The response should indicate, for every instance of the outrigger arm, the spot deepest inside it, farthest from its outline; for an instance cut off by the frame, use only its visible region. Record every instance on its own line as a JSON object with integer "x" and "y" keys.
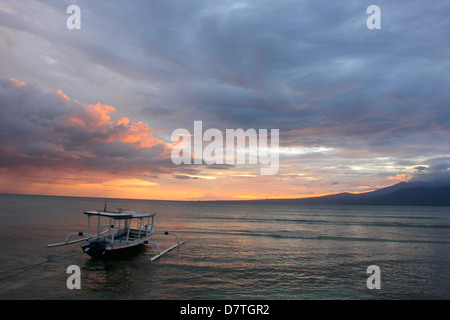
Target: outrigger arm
{"x": 168, "y": 249}
{"x": 80, "y": 234}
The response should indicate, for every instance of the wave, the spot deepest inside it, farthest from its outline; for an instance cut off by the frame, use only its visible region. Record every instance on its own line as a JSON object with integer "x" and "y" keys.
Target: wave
{"x": 335, "y": 222}
{"x": 294, "y": 235}
{"x": 308, "y": 236}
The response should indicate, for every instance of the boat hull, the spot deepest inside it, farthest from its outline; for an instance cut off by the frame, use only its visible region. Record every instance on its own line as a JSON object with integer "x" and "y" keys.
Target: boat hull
{"x": 98, "y": 250}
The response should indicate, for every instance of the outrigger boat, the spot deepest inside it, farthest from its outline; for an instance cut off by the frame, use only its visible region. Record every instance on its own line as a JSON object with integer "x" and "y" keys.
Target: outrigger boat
{"x": 126, "y": 230}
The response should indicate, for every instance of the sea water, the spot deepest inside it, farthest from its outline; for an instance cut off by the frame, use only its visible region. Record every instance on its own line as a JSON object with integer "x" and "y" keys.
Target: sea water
{"x": 233, "y": 250}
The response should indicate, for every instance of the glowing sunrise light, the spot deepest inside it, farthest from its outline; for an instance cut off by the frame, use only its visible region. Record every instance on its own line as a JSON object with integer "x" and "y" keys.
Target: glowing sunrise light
{"x": 303, "y": 150}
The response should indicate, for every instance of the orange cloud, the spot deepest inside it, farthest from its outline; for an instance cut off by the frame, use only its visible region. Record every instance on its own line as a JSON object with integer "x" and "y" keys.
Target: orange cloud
{"x": 77, "y": 121}
{"x": 124, "y": 120}
{"x": 402, "y": 177}
{"x": 100, "y": 113}
{"x": 63, "y": 96}
{"x": 17, "y": 83}
{"x": 97, "y": 117}
{"x": 138, "y": 132}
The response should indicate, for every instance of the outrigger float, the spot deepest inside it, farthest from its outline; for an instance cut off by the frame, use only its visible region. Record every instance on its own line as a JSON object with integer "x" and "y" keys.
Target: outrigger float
{"x": 125, "y": 231}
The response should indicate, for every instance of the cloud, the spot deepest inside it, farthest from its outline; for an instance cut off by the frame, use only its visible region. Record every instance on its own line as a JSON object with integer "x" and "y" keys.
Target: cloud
{"x": 46, "y": 129}
{"x": 434, "y": 171}
{"x": 421, "y": 169}
{"x": 403, "y": 177}
{"x": 256, "y": 65}
{"x": 184, "y": 177}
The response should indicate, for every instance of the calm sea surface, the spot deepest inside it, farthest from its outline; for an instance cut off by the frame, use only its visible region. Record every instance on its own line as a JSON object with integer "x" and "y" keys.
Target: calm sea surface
{"x": 232, "y": 251}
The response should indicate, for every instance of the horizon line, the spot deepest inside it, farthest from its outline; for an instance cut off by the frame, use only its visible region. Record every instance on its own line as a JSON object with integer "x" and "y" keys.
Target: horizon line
{"x": 196, "y": 200}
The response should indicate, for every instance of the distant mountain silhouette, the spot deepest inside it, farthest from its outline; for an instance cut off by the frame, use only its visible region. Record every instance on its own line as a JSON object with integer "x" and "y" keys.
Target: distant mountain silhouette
{"x": 419, "y": 196}
{"x": 404, "y": 193}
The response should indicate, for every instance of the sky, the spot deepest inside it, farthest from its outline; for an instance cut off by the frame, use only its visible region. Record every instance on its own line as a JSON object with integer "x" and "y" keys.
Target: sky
{"x": 91, "y": 111}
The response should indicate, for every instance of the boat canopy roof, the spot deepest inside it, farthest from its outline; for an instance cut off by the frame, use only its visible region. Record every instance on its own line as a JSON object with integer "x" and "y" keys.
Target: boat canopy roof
{"x": 120, "y": 215}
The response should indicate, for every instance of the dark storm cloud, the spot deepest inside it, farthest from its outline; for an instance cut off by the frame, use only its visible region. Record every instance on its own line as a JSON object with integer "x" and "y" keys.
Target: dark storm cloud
{"x": 289, "y": 65}
{"x": 42, "y": 129}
